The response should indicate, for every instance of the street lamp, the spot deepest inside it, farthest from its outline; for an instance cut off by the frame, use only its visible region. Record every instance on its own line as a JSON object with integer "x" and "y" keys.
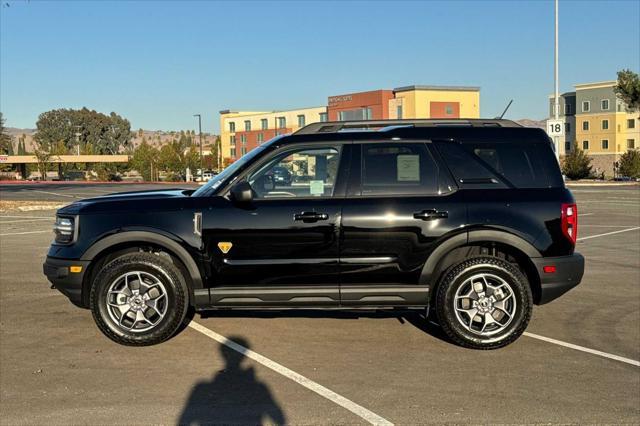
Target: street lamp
{"x": 200, "y": 136}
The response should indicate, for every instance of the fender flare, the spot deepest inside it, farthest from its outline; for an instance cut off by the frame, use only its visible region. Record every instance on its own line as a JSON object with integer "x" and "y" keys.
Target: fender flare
{"x": 431, "y": 268}
{"x": 148, "y": 237}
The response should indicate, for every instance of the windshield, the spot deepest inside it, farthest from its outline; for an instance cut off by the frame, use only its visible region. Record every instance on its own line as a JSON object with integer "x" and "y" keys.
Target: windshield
{"x": 217, "y": 180}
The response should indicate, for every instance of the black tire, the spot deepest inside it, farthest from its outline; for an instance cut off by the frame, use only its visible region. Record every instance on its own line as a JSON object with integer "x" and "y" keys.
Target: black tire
{"x": 150, "y": 265}
{"x": 460, "y": 327}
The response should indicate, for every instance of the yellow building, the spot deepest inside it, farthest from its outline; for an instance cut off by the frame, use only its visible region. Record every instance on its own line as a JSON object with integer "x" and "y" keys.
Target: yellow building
{"x": 435, "y": 102}
{"x": 605, "y": 129}
{"x": 241, "y": 131}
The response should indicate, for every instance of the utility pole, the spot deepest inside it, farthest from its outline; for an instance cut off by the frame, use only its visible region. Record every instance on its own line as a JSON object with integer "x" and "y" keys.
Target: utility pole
{"x": 556, "y": 139}
{"x": 200, "y": 136}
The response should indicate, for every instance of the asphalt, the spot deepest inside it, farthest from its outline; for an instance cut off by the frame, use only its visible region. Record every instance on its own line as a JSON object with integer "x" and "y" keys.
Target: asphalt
{"x": 56, "y": 367}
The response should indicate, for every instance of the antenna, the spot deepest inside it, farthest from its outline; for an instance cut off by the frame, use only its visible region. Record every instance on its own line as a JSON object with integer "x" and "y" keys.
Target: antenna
{"x": 505, "y": 110}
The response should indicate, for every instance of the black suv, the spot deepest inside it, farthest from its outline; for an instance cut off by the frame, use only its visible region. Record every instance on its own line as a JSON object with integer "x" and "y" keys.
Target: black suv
{"x": 468, "y": 221}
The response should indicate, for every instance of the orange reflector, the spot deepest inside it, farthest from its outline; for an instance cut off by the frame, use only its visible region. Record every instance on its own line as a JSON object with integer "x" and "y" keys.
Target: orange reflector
{"x": 550, "y": 269}
{"x": 75, "y": 269}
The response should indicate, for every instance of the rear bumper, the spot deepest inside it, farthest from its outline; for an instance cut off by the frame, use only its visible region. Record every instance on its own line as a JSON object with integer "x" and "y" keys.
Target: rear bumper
{"x": 568, "y": 274}
{"x": 67, "y": 282}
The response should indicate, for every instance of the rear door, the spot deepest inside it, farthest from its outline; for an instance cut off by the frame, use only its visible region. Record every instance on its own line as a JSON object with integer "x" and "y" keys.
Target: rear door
{"x": 400, "y": 202}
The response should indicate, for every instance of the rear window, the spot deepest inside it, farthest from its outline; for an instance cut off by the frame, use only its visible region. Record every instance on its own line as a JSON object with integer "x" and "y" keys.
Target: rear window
{"x": 521, "y": 164}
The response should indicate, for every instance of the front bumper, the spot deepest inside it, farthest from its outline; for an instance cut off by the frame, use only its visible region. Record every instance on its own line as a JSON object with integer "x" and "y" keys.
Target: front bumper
{"x": 69, "y": 283}
{"x": 568, "y": 274}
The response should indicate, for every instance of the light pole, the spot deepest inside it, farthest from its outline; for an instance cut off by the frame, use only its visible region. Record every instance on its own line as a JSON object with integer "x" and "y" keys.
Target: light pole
{"x": 200, "y": 136}
{"x": 556, "y": 102}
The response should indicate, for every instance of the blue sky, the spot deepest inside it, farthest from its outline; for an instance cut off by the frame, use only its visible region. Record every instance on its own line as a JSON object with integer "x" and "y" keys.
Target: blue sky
{"x": 159, "y": 62}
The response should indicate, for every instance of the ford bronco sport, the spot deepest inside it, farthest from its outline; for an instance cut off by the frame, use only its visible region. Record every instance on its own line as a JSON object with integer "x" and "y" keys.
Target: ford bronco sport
{"x": 467, "y": 219}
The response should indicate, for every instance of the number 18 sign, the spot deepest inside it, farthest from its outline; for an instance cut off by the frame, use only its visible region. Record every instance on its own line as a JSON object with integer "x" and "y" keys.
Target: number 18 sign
{"x": 555, "y": 127}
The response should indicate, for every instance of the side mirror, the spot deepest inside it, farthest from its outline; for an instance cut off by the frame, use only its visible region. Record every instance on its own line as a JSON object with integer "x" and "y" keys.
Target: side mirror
{"x": 241, "y": 193}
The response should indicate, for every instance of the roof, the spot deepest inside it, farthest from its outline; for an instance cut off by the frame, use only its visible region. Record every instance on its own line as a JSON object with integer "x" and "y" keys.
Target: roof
{"x": 443, "y": 88}
{"x": 595, "y": 85}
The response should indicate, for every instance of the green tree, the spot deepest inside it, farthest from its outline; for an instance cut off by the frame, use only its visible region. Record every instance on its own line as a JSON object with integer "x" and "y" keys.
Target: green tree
{"x": 629, "y": 164}
{"x": 145, "y": 160}
{"x": 628, "y": 89}
{"x": 576, "y": 165}
{"x": 6, "y": 140}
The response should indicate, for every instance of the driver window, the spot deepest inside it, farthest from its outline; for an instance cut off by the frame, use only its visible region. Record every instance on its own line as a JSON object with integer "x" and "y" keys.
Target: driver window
{"x": 307, "y": 172}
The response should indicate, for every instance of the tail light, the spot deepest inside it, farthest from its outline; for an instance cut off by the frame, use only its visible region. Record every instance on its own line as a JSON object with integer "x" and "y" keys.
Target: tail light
{"x": 570, "y": 221}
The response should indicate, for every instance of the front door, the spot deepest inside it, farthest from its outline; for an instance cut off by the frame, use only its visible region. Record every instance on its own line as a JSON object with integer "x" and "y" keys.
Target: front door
{"x": 282, "y": 248}
{"x": 400, "y": 202}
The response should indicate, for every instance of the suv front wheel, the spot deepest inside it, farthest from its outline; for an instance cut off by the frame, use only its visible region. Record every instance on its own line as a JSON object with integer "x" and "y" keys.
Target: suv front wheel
{"x": 484, "y": 303}
{"x": 139, "y": 299}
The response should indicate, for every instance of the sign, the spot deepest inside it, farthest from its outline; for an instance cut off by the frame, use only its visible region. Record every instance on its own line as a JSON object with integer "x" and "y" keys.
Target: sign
{"x": 408, "y": 167}
{"x": 4, "y": 158}
{"x": 335, "y": 100}
{"x": 555, "y": 128}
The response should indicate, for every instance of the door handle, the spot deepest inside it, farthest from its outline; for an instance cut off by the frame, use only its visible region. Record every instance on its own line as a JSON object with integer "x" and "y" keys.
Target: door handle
{"x": 430, "y": 215}
{"x": 310, "y": 216}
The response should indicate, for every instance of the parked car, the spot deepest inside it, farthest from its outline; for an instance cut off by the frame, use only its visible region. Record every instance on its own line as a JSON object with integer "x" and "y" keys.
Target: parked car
{"x": 466, "y": 221}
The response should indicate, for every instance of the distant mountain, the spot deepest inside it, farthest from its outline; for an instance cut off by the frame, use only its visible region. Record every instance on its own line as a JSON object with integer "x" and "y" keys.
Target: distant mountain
{"x": 156, "y": 138}
{"x": 526, "y": 122}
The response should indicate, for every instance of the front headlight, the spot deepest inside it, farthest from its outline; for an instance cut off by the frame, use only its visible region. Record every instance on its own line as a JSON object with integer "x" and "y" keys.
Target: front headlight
{"x": 64, "y": 229}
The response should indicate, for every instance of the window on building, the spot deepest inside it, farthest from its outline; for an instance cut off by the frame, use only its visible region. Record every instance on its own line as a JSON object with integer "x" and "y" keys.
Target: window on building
{"x": 586, "y": 106}
{"x": 301, "y": 120}
{"x": 399, "y": 112}
{"x": 567, "y": 127}
{"x": 631, "y": 143}
{"x": 282, "y": 122}
{"x": 324, "y": 117}
{"x": 264, "y": 124}
{"x": 243, "y": 150}
{"x": 260, "y": 137}
{"x": 605, "y": 124}
{"x": 585, "y": 145}
{"x": 243, "y": 139}
{"x": 232, "y": 127}
{"x": 567, "y": 108}
{"x": 232, "y": 153}
{"x": 631, "y": 123}
{"x": 448, "y": 110}
{"x": 567, "y": 146}
{"x": 604, "y": 104}
{"x": 355, "y": 114}
{"x": 247, "y": 125}
{"x": 605, "y": 143}
{"x": 232, "y": 140}
{"x": 585, "y": 125}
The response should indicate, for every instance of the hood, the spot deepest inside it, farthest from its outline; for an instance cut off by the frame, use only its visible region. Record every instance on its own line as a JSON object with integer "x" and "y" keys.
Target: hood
{"x": 134, "y": 200}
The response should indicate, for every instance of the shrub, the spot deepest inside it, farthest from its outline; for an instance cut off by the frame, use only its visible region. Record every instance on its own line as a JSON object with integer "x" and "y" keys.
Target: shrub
{"x": 629, "y": 164}
{"x": 576, "y": 165}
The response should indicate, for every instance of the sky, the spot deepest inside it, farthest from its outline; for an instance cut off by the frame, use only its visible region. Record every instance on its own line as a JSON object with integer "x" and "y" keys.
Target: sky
{"x": 159, "y": 62}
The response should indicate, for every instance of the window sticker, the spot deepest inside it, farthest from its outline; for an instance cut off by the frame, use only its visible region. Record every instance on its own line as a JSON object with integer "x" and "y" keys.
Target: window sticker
{"x": 316, "y": 187}
{"x": 408, "y": 167}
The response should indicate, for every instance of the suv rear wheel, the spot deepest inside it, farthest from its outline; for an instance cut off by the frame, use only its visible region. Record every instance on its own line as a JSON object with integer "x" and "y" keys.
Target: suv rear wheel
{"x": 484, "y": 303}
{"x": 139, "y": 299}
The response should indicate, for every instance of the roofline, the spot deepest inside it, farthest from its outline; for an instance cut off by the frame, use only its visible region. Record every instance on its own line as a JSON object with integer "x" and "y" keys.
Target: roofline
{"x": 442, "y": 88}
{"x": 595, "y": 85}
{"x": 563, "y": 94}
{"x": 252, "y": 113}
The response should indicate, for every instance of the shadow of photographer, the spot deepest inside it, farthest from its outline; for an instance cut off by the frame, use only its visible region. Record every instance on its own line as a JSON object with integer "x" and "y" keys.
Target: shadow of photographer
{"x": 233, "y": 396}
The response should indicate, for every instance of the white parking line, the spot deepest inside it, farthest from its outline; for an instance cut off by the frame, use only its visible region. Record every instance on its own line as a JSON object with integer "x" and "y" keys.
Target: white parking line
{"x": 585, "y": 214}
{"x": 28, "y": 232}
{"x": 608, "y": 233}
{"x": 26, "y": 217}
{"x": 583, "y": 349}
{"x": 25, "y": 220}
{"x": 53, "y": 193}
{"x": 356, "y": 409}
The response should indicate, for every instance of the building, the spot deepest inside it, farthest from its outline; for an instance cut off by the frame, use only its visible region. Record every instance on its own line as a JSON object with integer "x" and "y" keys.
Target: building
{"x": 605, "y": 128}
{"x": 241, "y": 131}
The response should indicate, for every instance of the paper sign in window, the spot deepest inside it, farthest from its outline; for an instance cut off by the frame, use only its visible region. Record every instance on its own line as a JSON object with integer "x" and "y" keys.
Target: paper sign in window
{"x": 408, "y": 167}
{"x": 316, "y": 187}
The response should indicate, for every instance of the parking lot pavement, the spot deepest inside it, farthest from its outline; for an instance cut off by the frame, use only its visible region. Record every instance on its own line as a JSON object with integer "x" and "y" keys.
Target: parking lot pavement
{"x": 57, "y": 368}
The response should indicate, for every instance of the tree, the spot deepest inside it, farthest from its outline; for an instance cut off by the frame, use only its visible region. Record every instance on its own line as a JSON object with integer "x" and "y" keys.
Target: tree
{"x": 629, "y": 164}
{"x": 628, "y": 89}
{"x": 576, "y": 165}
{"x": 144, "y": 160}
{"x": 6, "y": 140}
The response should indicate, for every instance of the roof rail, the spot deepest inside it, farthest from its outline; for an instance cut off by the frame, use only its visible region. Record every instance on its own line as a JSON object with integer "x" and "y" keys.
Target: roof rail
{"x": 387, "y": 125}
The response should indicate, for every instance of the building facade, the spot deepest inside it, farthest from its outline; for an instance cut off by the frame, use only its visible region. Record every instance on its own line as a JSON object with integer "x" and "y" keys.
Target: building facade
{"x": 605, "y": 129}
{"x": 242, "y": 131}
